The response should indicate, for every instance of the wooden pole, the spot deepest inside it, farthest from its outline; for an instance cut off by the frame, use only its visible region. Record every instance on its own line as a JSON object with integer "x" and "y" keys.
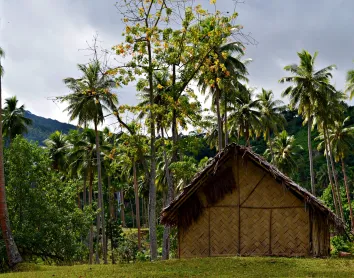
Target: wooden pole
{"x": 270, "y": 232}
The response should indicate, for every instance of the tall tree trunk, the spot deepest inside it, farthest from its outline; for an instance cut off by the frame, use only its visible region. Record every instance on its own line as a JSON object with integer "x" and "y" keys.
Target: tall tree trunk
{"x": 122, "y": 214}
{"x": 170, "y": 193}
{"x": 334, "y": 192}
{"x": 13, "y": 255}
{"x": 174, "y": 120}
{"x": 348, "y": 195}
{"x": 91, "y": 227}
{"x": 152, "y": 188}
{"x": 217, "y": 100}
{"x": 110, "y": 199}
{"x": 132, "y": 211}
{"x": 270, "y": 144}
{"x": 78, "y": 197}
{"x": 84, "y": 195}
{"x": 142, "y": 211}
{"x": 98, "y": 229}
{"x": 112, "y": 243}
{"x": 226, "y": 127}
{"x": 100, "y": 194}
{"x": 248, "y": 142}
{"x": 110, "y": 214}
{"x": 335, "y": 177}
{"x": 309, "y": 144}
{"x": 137, "y": 205}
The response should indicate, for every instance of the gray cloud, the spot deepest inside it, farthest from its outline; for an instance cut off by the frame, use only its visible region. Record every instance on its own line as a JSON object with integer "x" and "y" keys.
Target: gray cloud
{"x": 43, "y": 39}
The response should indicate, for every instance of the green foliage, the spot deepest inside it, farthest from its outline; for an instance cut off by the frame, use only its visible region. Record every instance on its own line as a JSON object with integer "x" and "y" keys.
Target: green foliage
{"x": 283, "y": 152}
{"x": 127, "y": 251}
{"x": 143, "y": 256}
{"x": 341, "y": 243}
{"x": 14, "y": 120}
{"x": 44, "y": 217}
{"x": 42, "y": 128}
{"x": 115, "y": 232}
{"x": 350, "y": 83}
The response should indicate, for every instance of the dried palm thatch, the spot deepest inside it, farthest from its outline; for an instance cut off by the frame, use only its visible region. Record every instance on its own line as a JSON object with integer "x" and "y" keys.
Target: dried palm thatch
{"x": 215, "y": 181}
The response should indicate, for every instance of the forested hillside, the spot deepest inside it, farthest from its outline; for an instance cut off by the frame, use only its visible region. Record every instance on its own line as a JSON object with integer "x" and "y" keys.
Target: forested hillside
{"x": 42, "y": 127}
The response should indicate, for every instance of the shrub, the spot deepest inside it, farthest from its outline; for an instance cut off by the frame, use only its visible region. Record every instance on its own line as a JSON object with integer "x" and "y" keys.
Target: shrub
{"x": 341, "y": 243}
{"x": 127, "y": 251}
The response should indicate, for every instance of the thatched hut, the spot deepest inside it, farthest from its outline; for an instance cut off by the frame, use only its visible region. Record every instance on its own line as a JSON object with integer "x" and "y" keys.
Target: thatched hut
{"x": 242, "y": 205}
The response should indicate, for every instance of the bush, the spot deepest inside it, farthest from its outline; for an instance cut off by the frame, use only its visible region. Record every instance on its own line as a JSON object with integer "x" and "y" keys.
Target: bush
{"x": 341, "y": 243}
{"x": 143, "y": 256}
{"x": 127, "y": 251}
{"x": 173, "y": 241}
{"x": 45, "y": 220}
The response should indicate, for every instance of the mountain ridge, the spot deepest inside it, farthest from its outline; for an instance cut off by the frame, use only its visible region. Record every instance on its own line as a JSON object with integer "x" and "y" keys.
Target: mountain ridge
{"x": 42, "y": 127}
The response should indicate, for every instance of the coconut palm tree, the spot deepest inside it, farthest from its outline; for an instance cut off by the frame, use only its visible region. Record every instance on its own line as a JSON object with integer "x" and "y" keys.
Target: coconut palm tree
{"x": 58, "y": 147}
{"x": 306, "y": 91}
{"x": 13, "y": 255}
{"x": 342, "y": 139}
{"x": 271, "y": 118}
{"x": 245, "y": 116}
{"x": 232, "y": 88}
{"x": 285, "y": 153}
{"x": 328, "y": 110}
{"x": 91, "y": 97}
{"x": 232, "y": 66}
{"x": 82, "y": 157}
{"x": 350, "y": 83}
{"x": 14, "y": 120}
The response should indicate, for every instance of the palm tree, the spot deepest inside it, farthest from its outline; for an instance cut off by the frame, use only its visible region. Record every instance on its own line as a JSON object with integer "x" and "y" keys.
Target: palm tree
{"x": 232, "y": 66}
{"x": 327, "y": 111}
{"x": 306, "y": 91}
{"x": 285, "y": 153}
{"x": 232, "y": 88}
{"x": 245, "y": 116}
{"x": 271, "y": 119}
{"x": 58, "y": 146}
{"x": 91, "y": 97}
{"x": 82, "y": 156}
{"x": 350, "y": 83}
{"x": 13, "y": 255}
{"x": 14, "y": 120}
{"x": 342, "y": 139}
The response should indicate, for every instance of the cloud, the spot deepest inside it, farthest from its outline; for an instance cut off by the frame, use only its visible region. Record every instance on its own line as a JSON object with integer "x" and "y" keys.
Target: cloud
{"x": 43, "y": 40}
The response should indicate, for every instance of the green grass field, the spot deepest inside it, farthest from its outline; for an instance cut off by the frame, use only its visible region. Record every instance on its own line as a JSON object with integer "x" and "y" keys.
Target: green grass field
{"x": 207, "y": 267}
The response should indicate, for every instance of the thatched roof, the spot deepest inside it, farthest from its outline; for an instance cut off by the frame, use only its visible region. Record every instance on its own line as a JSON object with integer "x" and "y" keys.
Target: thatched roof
{"x": 187, "y": 206}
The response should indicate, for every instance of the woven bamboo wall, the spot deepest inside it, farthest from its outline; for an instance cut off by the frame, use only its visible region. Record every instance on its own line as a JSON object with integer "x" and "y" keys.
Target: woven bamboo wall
{"x": 254, "y": 232}
{"x": 223, "y": 231}
{"x": 320, "y": 236}
{"x": 261, "y": 217}
{"x": 194, "y": 241}
{"x": 290, "y": 232}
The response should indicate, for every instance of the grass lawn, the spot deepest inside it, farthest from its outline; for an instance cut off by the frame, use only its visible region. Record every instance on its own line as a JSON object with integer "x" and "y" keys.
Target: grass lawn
{"x": 207, "y": 267}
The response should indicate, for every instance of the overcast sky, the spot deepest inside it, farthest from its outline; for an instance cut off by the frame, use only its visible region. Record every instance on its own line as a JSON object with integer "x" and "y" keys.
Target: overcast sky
{"x": 43, "y": 40}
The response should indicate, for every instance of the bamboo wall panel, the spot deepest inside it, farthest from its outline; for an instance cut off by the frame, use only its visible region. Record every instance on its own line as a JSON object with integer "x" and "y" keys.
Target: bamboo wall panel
{"x": 269, "y": 193}
{"x": 255, "y": 231}
{"x": 229, "y": 200}
{"x": 290, "y": 232}
{"x": 320, "y": 235}
{"x": 223, "y": 231}
{"x": 194, "y": 241}
{"x": 249, "y": 176}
